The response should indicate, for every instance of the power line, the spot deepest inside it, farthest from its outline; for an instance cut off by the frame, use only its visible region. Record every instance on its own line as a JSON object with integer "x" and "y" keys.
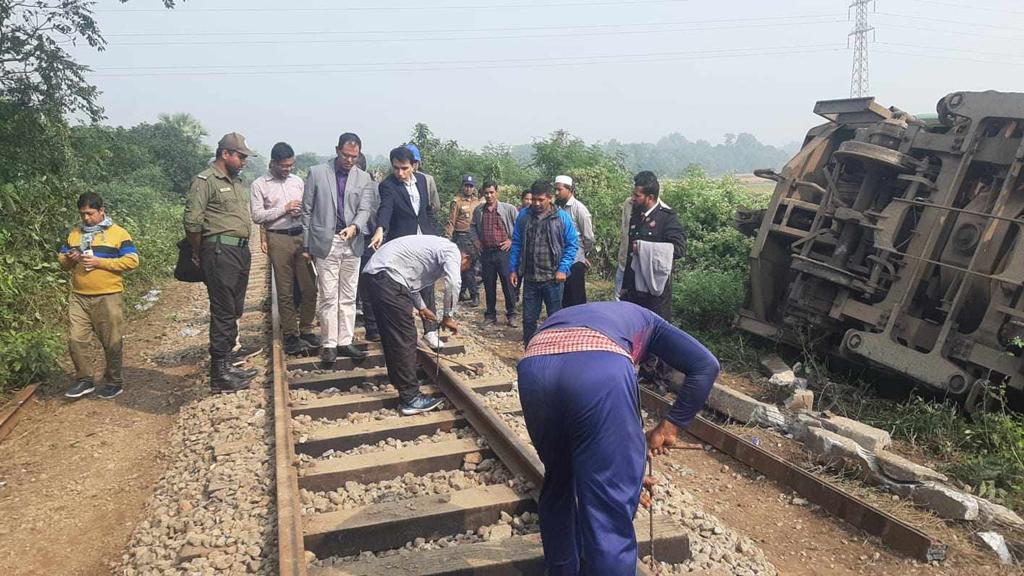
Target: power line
{"x": 859, "y": 73}
{"x": 971, "y": 7}
{"x": 947, "y": 21}
{"x": 957, "y": 32}
{"x": 391, "y": 31}
{"x": 542, "y": 62}
{"x": 947, "y": 57}
{"x": 947, "y": 49}
{"x": 434, "y": 38}
{"x": 396, "y": 8}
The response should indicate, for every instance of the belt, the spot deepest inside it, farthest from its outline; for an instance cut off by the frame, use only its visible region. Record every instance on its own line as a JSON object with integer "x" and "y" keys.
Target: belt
{"x": 226, "y": 240}
{"x": 289, "y": 231}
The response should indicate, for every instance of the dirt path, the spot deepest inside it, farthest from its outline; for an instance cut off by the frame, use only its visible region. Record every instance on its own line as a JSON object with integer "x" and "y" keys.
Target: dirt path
{"x": 75, "y": 475}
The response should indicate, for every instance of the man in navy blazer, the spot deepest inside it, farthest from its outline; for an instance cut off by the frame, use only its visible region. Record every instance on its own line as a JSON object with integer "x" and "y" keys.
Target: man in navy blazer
{"x": 405, "y": 210}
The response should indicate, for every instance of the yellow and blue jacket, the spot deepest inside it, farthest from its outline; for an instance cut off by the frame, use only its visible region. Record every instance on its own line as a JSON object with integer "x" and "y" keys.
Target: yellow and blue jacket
{"x": 117, "y": 254}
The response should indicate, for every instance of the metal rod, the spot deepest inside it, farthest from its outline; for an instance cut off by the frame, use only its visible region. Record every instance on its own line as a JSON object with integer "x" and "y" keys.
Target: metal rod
{"x": 961, "y": 210}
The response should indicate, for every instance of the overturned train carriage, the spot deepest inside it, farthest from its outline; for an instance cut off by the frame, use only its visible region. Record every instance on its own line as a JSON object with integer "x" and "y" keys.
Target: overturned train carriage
{"x": 896, "y": 240}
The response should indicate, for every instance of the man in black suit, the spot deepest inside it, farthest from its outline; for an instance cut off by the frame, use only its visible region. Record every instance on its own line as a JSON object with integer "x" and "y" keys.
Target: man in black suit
{"x": 405, "y": 210}
{"x": 654, "y": 222}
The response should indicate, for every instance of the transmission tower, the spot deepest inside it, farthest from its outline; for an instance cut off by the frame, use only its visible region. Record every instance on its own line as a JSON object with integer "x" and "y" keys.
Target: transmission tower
{"x": 859, "y": 76}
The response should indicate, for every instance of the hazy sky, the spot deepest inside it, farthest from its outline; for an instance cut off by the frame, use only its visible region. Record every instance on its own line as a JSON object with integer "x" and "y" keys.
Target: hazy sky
{"x": 512, "y": 71}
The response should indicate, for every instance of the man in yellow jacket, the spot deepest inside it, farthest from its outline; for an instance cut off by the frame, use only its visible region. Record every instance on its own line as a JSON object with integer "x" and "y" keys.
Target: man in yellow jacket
{"x": 97, "y": 252}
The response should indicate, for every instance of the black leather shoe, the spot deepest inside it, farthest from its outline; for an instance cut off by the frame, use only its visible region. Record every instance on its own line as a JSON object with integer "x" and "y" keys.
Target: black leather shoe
{"x": 372, "y": 337}
{"x": 244, "y": 373}
{"x": 293, "y": 345}
{"x": 328, "y": 356}
{"x": 222, "y": 380}
{"x": 311, "y": 339}
{"x": 351, "y": 351}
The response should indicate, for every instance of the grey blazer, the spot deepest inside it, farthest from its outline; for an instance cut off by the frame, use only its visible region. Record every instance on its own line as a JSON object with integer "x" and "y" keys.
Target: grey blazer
{"x": 320, "y": 208}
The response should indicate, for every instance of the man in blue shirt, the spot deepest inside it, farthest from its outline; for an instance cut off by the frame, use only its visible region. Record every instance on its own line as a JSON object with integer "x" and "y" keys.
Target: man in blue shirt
{"x": 544, "y": 244}
{"x": 581, "y": 402}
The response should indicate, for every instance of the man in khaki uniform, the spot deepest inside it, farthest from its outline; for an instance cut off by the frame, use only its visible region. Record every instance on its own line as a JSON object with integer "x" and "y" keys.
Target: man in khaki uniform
{"x": 217, "y": 226}
{"x": 459, "y": 222}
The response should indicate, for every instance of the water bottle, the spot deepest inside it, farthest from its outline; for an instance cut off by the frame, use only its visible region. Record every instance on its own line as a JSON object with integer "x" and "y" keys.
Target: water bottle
{"x": 87, "y": 252}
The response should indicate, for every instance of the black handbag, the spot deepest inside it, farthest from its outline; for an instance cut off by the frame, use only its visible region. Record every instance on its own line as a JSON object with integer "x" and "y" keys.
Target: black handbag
{"x": 186, "y": 270}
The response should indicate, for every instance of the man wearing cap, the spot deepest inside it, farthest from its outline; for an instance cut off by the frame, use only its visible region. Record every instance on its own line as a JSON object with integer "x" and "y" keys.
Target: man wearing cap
{"x": 276, "y": 207}
{"x": 336, "y": 206}
{"x": 432, "y": 197}
{"x": 217, "y": 225}
{"x": 459, "y": 220}
{"x": 575, "y": 291}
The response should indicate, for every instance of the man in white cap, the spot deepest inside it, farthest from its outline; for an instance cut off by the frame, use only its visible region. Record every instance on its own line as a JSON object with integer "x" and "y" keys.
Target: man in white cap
{"x": 575, "y": 291}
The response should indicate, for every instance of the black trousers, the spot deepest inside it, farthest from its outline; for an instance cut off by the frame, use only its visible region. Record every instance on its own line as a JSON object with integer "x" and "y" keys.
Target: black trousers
{"x": 575, "y": 291}
{"x": 494, "y": 264}
{"x": 227, "y": 276}
{"x": 362, "y": 291}
{"x": 393, "y": 305}
{"x": 469, "y": 276}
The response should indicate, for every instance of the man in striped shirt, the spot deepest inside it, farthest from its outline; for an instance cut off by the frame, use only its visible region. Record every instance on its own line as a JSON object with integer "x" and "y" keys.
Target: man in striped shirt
{"x": 581, "y": 402}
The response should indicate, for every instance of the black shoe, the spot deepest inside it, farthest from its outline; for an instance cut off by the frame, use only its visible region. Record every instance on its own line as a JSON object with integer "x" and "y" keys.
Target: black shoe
{"x": 419, "y": 404}
{"x": 372, "y": 337}
{"x": 474, "y": 301}
{"x": 463, "y": 297}
{"x": 490, "y": 321}
{"x": 245, "y": 373}
{"x": 351, "y": 351}
{"x": 312, "y": 340}
{"x": 510, "y": 321}
{"x": 80, "y": 388}
{"x": 328, "y": 356}
{"x": 245, "y": 351}
{"x": 293, "y": 345}
{"x": 223, "y": 380}
{"x": 110, "y": 391}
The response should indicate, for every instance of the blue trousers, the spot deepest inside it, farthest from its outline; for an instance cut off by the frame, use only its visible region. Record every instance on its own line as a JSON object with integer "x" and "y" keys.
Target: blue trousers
{"x": 582, "y": 413}
{"x": 535, "y": 294}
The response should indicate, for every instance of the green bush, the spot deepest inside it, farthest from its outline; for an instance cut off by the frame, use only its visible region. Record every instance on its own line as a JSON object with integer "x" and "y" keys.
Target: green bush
{"x": 705, "y": 298}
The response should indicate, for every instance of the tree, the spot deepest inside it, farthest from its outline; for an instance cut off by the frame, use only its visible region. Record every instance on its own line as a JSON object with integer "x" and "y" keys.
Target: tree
{"x": 186, "y": 123}
{"x": 35, "y": 69}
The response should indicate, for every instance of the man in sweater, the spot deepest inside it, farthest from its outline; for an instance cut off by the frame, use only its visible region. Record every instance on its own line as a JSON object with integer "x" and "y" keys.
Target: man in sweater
{"x": 492, "y": 228}
{"x": 581, "y": 403}
{"x": 97, "y": 252}
{"x": 544, "y": 245}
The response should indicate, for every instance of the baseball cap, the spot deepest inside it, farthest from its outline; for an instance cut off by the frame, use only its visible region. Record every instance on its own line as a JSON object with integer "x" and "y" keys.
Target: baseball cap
{"x": 467, "y": 180}
{"x": 415, "y": 152}
{"x": 236, "y": 143}
{"x": 563, "y": 180}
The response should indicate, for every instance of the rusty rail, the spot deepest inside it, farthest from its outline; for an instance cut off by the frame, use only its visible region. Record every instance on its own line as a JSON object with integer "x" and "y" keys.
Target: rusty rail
{"x": 11, "y": 413}
{"x": 892, "y": 531}
{"x": 291, "y": 550}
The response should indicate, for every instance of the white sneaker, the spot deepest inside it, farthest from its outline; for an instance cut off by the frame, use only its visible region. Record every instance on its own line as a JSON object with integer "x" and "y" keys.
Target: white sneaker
{"x": 432, "y": 340}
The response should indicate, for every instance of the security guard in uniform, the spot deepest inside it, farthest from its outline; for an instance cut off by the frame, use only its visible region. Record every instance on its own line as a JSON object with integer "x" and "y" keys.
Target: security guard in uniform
{"x": 217, "y": 225}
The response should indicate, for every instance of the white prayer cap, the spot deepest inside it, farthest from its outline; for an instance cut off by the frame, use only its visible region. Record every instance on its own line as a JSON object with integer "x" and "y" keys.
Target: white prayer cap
{"x": 563, "y": 180}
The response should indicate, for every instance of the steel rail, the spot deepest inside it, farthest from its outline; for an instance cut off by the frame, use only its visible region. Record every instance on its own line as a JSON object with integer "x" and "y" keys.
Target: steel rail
{"x": 892, "y": 531}
{"x": 291, "y": 549}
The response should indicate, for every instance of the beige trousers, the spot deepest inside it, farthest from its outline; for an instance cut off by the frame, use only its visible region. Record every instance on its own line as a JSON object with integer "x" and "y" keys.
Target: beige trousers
{"x": 102, "y": 316}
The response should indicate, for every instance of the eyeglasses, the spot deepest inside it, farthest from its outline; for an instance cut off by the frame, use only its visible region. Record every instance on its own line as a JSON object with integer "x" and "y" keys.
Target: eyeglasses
{"x": 352, "y": 157}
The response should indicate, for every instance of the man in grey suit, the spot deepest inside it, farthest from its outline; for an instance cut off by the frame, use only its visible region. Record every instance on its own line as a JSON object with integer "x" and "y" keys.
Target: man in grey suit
{"x": 336, "y": 206}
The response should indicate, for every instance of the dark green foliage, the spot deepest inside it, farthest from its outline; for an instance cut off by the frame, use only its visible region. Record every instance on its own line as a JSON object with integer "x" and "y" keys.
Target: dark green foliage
{"x": 139, "y": 171}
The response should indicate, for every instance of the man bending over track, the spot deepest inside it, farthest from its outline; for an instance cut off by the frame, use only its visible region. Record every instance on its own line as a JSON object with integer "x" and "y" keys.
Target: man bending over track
{"x": 399, "y": 271}
{"x": 581, "y": 402}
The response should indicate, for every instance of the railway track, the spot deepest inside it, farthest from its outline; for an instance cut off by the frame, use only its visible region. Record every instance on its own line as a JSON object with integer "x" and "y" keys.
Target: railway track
{"x": 358, "y": 484}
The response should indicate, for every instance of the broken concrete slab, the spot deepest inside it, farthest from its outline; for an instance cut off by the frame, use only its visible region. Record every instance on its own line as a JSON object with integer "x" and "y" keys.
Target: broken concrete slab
{"x": 874, "y": 439}
{"x": 837, "y": 448}
{"x": 945, "y": 501}
{"x": 800, "y": 401}
{"x": 992, "y": 513}
{"x": 772, "y": 364}
{"x": 739, "y": 406}
{"x": 997, "y": 544}
{"x": 900, "y": 469}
